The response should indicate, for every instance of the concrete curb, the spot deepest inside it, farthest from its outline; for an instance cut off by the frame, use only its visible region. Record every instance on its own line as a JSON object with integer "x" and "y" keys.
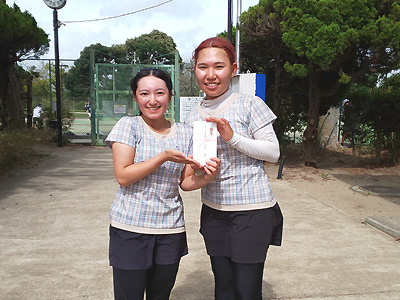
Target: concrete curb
{"x": 383, "y": 224}
{"x": 366, "y": 192}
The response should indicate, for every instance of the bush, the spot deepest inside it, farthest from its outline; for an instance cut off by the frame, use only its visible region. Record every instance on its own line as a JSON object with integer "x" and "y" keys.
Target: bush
{"x": 17, "y": 147}
{"x": 51, "y": 117}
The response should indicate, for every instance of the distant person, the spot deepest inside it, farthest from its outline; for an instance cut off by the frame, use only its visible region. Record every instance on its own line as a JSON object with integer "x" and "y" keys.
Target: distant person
{"x": 240, "y": 217}
{"x": 88, "y": 110}
{"x": 151, "y": 161}
{"x": 38, "y": 116}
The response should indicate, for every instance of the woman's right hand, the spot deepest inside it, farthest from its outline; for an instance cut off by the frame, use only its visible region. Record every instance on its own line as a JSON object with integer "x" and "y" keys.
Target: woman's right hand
{"x": 191, "y": 181}
{"x": 212, "y": 168}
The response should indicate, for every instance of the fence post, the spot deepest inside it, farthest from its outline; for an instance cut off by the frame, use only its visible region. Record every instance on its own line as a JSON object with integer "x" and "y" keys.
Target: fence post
{"x": 177, "y": 88}
{"x": 281, "y": 167}
{"x": 92, "y": 100}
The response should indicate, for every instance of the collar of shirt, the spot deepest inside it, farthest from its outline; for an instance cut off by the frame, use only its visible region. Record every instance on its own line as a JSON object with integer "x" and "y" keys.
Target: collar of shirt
{"x": 217, "y": 103}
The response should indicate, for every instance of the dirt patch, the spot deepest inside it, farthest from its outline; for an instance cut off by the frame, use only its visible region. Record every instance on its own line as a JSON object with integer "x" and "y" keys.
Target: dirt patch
{"x": 342, "y": 180}
{"x": 41, "y": 152}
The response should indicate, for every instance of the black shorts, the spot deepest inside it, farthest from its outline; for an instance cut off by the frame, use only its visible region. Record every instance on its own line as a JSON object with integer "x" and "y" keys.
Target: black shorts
{"x": 243, "y": 236}
{"x": 136, "y": 251}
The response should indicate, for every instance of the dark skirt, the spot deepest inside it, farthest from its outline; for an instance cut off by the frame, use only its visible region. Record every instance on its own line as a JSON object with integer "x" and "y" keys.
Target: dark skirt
{"x": 136, "y": 251}
{"x": 243, "y": 236}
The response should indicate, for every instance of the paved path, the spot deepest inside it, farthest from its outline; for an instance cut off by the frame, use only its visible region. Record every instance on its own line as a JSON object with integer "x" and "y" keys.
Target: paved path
{"x": 54, "y": 240}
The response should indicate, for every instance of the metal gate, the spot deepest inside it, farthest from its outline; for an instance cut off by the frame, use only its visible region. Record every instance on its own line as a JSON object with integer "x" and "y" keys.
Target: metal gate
{"x": 113, "y": 96}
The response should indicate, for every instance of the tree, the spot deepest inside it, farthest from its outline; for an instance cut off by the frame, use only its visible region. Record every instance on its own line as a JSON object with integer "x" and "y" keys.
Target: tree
{"x": 153, "y": 48}
{"x": 263, "y": 51}
{"x": 44, "y": 80}
{"x": 25, "y": 79}
{"x": 20, "y": 37}
{"x": 189, "y": 86}
{"x": 375, "y": 103}
{"x": 77, "y": 79}
{"x": 332, "y": 43}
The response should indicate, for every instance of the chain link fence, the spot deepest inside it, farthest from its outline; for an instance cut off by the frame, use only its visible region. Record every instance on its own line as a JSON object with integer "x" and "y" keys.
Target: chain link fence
{"x": 90, "y": 118}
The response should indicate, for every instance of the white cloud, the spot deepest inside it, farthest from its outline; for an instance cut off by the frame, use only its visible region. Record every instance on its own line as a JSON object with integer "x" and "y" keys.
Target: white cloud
{"x": 187, "y": 22}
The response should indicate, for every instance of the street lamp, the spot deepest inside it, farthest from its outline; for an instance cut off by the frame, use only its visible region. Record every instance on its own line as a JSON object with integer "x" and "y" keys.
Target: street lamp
{"x": 57, "y": 4}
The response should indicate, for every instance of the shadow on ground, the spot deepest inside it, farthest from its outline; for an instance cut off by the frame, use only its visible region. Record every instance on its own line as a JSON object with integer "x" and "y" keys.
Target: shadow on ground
{"x": 386, "y": 186}
{"x": 199, "y": 285}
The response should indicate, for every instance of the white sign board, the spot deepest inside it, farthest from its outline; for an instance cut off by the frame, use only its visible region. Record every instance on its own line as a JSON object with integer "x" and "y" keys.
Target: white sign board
{"x": 244, "y": 84}
{"x": 119, "y": 109}
{"x": 186, "y": 105}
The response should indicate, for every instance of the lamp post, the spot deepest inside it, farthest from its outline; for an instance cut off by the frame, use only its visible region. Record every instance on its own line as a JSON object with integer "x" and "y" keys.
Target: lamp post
{"x": 58, "y": 85}
{"x": 57, "y": 4}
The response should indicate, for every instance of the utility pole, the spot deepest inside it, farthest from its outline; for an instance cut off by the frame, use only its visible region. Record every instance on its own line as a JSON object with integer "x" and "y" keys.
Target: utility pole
{"x": 230, "y": 21}
{"x": 239, "y": 12}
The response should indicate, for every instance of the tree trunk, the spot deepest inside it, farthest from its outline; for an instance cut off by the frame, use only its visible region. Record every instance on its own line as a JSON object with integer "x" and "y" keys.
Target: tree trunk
{"x": 378, "y": 143}
{"x": 396, "y": 147}
{"x": 3, "y": 95}
{"x": 12, "y": 112}
{"x": 277, "y": 102}
{"x": 29, "y": 110}
{"x": 311, "y": 132}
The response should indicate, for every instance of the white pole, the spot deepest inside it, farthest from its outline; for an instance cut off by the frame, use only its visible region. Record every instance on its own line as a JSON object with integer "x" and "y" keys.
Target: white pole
{"x": 239, "y": 12}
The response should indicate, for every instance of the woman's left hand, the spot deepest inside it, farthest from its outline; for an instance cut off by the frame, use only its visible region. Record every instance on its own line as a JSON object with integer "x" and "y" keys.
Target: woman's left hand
{"x": 179, "y": 157}
{"x": 224, "y": 128}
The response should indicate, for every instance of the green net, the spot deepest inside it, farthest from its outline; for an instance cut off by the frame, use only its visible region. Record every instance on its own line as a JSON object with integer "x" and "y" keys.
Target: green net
{"x": 114, "y": 97}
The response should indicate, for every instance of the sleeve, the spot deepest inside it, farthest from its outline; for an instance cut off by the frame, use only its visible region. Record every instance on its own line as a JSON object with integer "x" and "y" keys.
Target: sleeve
{"x": 124, "y": 131}
{"x": 190, "y": 148}
{"x": 185, "y": 138}
{"x": 260, "y": 114}
{"x": 264, "y": 146}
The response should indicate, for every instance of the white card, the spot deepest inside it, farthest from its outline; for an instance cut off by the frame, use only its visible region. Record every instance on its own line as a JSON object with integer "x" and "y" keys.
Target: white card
{"x": 204, "y": 141}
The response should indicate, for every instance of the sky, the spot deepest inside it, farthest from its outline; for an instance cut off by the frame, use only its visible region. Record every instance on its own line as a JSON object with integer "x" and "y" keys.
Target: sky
{"x": 188, "y": 22}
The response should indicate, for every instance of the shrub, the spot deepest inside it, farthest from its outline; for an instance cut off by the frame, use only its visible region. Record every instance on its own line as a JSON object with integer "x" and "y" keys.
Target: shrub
{"x": 17, "y": 147}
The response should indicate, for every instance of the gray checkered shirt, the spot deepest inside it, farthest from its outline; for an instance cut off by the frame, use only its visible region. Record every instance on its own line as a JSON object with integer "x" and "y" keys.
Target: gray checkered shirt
{"x": 242, "y": 183}
{"x": 153, "y": 204}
